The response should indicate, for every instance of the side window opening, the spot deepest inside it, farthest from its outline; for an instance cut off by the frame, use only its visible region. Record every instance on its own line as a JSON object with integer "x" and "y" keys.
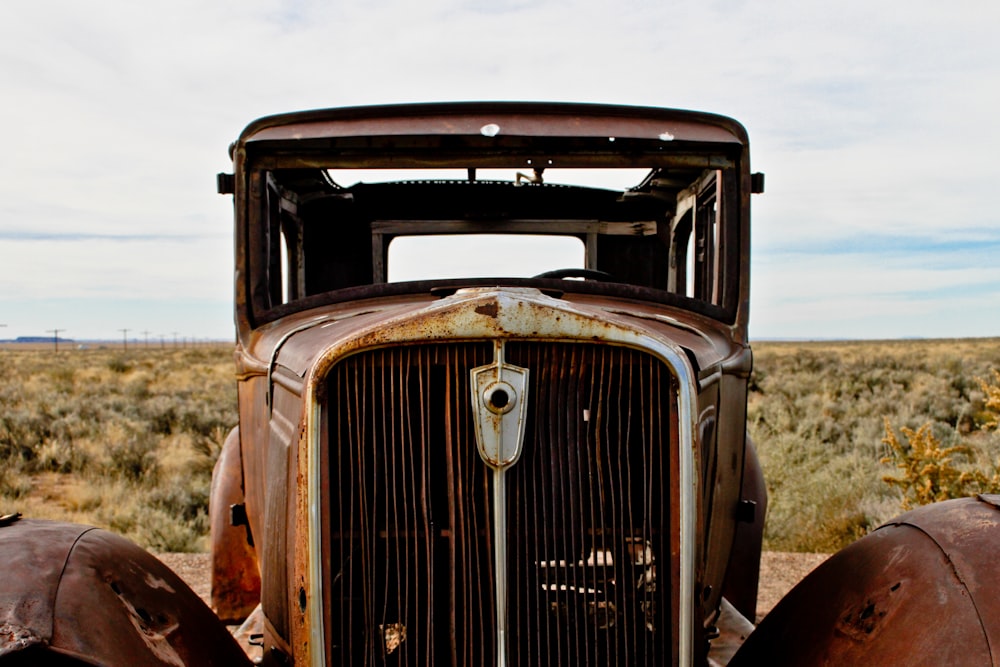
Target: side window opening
{"x": 695, "y": 241}
{"x": 292, "y": 262}
{"x": 286, "y": 260}
{"x": 706, "y": 243}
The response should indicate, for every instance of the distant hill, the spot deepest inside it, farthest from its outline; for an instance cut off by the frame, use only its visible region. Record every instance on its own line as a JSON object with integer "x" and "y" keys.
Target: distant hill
{"x": 42, "y": 339}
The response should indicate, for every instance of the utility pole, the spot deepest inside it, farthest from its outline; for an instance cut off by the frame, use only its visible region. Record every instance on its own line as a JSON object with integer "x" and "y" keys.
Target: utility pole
{"x": 55, "y": 336}
{"x": 145, "y": 335}
{"x": 175, "y": 339}
{"x": 125, "y": 338}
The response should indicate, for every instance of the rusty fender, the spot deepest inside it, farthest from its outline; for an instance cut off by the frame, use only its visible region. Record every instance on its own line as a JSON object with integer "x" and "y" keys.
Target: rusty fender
{"x": 235, "y": 574}
{"x": 73, "y": 592}
{"x": 920, "y": 590}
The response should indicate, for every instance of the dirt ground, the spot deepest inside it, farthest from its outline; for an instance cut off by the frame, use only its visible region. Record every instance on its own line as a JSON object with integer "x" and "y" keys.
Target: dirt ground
{"x": 779, "y": 572}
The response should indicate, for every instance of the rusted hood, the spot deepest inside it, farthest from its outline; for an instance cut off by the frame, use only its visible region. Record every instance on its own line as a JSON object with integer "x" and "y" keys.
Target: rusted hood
{"x": 505, "y": 312}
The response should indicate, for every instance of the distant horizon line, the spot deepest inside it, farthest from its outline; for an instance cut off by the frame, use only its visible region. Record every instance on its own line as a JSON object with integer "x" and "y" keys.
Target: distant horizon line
{"x": 114, "y": 341}
{"x": 178, "y": 340}
{"x": 845, "y": 339}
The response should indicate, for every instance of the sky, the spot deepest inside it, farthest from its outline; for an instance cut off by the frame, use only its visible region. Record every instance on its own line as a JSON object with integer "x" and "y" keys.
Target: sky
{"x": 875, "y": 123}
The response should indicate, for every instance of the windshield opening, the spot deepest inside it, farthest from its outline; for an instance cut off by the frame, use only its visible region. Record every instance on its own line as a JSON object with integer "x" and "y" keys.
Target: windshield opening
{"x": 667, "y": 228}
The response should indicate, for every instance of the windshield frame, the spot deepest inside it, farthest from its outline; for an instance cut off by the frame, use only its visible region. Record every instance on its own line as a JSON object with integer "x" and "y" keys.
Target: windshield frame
{"x": 279, "y": 143}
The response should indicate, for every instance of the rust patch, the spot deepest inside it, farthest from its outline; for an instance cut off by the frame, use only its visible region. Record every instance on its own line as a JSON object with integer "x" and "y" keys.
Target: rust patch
{"x": 154, "y": 631}
{"x": 156, "y": 582}
{"x": 491, "y": 309}
{"x": 15, "y": 638}
{"x": 393, "y": 634}
{"x": 863, "y": 621}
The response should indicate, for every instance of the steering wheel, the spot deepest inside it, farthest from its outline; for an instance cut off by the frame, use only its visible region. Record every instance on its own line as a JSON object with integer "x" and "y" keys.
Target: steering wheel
{"x": 586, "y": 274}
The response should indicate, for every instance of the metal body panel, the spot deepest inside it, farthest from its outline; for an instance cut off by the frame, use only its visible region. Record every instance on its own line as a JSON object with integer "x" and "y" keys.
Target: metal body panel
{"x": 235, "y": 574}
{"x": 493, "y": 119}
{"x": 743, "y": 571}
{"x": 296, "y": 342}
{"x": 73, "y": 591}
{"x": 920, "y": 590}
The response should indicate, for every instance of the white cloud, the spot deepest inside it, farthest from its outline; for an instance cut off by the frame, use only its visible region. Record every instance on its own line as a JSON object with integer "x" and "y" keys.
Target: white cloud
{"x": 156, "y": 268}
{"x": 867, "y": 295}
{"x": 869, "y": 120}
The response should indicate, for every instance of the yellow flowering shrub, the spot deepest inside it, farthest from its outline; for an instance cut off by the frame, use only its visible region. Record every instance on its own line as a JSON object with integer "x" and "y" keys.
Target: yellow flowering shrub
{"x": 931, "y": 472}
{"x": 991, "y": 399}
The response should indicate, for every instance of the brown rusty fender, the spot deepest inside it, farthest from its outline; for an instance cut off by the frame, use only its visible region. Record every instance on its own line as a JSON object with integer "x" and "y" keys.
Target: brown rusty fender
{"x": 235, "y": 574}
{"x": 920, "y": 590}
{"x": 73, "y": 593}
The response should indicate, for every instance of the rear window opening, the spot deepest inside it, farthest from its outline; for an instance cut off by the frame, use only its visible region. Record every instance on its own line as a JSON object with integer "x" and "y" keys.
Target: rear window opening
{"x": 447, "y": 256}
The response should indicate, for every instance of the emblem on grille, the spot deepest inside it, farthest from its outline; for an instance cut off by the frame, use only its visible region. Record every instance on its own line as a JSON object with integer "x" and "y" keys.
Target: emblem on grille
{"x": 499, "y": 407}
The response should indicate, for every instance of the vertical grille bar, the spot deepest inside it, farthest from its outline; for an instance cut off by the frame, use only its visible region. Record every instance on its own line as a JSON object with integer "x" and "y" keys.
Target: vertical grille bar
{"x": 411, "y": 574}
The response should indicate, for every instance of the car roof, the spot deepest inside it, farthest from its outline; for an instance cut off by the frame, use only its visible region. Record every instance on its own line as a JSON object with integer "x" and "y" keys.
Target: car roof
{"x": 503, "y": 119}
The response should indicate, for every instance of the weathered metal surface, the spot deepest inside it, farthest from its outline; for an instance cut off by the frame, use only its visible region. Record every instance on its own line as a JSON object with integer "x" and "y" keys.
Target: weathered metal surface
{"x": 920, "y": 590}
{"x": 302, "y": 338}
{"x": 72, "y": 591}
{"x": 32, "y": 576}
{"x": 743, "y": 570}
{"x": 235, "y": 576}
{"x": 496, "y": 121}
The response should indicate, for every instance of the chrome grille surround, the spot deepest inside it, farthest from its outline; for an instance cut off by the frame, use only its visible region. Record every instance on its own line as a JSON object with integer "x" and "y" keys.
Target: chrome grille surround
{"x": 566, "y": 325}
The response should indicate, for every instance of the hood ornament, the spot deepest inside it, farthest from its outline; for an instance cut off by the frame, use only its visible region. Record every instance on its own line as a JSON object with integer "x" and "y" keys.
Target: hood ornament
{"x": 499, "y": 407}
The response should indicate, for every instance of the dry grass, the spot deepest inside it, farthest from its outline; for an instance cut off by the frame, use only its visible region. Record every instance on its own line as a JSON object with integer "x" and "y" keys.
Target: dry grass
{"x": 128, "y": 442}
{"x": 125, "y": 442}
{"x": 817, "y": 412}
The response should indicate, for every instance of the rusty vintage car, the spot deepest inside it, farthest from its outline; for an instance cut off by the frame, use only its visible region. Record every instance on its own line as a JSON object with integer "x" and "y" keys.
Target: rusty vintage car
{"x": 493, "y": 371}
{"x": 492, "y": 363}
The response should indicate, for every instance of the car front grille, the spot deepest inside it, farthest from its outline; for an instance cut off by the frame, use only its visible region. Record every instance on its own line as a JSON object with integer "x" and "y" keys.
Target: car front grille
{"x": 411, "y": 538}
